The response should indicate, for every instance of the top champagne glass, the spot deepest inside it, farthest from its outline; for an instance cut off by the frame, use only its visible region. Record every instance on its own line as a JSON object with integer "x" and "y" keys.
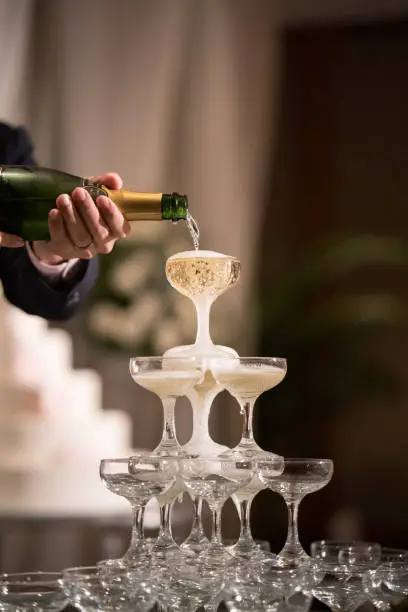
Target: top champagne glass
{"x": 202, "y": 276}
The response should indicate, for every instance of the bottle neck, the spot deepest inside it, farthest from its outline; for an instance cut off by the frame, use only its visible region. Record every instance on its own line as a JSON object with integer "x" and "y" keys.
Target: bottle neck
{"x": 137, "y": 206}
{"x": 149, "y": 206}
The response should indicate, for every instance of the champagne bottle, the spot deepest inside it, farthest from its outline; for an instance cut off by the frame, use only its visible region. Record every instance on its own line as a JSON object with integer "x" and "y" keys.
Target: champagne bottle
{"x": 27, "y": 194}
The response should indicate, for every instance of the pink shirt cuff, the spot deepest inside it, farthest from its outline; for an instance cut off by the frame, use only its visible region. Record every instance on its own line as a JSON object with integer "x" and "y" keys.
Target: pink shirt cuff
{"x": 55, "y": 272}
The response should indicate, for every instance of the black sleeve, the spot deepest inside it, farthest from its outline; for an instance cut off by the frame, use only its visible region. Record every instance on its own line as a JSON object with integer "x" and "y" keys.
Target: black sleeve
{"x": 23, "y": 284}
{"x": 16, "y": 147}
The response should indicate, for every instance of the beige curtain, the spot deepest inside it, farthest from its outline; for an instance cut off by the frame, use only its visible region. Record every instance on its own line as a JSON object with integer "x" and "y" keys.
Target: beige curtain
{"x": 15, "y": 32}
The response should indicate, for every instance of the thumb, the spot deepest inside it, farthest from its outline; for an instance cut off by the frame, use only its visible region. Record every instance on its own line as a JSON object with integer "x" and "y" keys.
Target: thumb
{"x": 10, "y": 241}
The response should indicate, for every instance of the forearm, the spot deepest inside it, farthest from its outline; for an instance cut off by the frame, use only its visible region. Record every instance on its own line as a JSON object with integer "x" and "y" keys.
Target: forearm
{"x": 53, "y": 297}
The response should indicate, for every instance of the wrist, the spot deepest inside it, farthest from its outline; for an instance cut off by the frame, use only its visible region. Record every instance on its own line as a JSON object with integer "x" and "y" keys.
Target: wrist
{"x": 42, "y": 253}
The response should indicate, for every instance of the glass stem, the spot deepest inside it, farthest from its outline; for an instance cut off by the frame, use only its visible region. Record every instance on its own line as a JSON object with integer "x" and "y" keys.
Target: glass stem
{"x": 197, "y": 508}
{"x": 216, "y": 533}
{"x": 203, "y": 307}
{"x": 169, "y": 426}
{"x": 292, "y": 544}
{"x": 137, "y": 526}
{"x": 247, "y": 410}
{"x": 165, "y": 525}
{"x": 245, "y": 513}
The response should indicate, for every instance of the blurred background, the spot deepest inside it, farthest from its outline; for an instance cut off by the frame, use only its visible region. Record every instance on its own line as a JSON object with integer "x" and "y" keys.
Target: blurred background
{"x": 286, "y": 124}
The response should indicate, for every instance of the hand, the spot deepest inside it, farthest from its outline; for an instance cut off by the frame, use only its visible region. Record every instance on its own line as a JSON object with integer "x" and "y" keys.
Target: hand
{"x": 10, "y": 241}
{"x": 81, "y": 228}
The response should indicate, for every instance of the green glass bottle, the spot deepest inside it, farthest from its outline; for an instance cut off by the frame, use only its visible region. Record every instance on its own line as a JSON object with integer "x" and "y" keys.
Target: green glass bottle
{"x": 27, "y": 194}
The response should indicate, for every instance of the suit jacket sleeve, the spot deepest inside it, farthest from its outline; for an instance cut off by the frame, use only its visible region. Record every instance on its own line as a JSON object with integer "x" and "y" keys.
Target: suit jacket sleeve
{"x": 23, "y": 284}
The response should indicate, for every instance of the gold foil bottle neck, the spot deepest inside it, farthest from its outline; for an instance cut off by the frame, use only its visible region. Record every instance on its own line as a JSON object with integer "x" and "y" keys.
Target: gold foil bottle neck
{"x": 137, "y": 206}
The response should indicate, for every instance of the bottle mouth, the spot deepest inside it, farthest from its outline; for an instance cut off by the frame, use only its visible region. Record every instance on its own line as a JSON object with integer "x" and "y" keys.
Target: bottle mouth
{"x": 175, "y": 207}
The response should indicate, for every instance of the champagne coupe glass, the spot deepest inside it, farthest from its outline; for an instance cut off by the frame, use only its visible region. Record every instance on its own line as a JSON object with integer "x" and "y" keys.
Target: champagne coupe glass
{"x": 160, "y": 476}
{"x": 215, "y": 479}
{"x": 202, "y": 276}
{"x": 246, "y": 548}
{"x": 246, "y": 378}
{"x": 299, "y": 478}
{"x": 339, "y": 569}
{"x": 42, "y": 591}
{"x": 197, "y": 540}
{"x": 250, "y": 590}
{"x": 137, "y": 488}
{"x": 165, "y": 546}
{"x": 387, "y": 584}
{"x": 190, "y": 586}
{"x": 393, "y": 555}
{"x": 141, "y": 584}
{"x": 107, "y": 588}
{"x": 114, "y": 474}
{"x": 169, "y": 378}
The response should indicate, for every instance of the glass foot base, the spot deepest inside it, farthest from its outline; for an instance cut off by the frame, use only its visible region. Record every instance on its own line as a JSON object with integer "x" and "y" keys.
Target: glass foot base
{"x": 136, "y": 557}
{"x": 288, "y": 560}
{"x": 170, "y": 552}
{"x": 170, "y": 450}
{"x": 195, "y": 543}
{"x": 215, "y": 557}
{"x": 204, "y": 351}
{"x": 276, "y": 463}
{"x": 247, "y": 551}
{"x": 162, "y": 546}
{"x": 205, "y": 447}
{"x": 110, "y": 564}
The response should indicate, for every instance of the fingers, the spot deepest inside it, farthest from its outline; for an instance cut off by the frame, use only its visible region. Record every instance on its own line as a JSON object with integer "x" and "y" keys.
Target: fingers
{"x": 56, "y": 226}
{"x": 10, "y": 241}
{"x": 88, "y": 223}
{"x": 59, "y": 238}
{"x": 100, "y": 234}
{"x": 118, "y": 226}
{"x": 74, "y": 225}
